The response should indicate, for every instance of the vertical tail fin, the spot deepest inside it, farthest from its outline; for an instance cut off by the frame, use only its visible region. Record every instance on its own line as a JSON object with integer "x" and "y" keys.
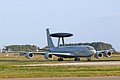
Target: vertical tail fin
{"x": 49, "y": 40}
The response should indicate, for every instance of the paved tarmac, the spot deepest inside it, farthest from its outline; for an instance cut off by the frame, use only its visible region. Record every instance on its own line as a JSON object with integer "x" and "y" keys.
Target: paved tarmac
{"x": 105, "y": 63}
{"x": 70, "y": 78}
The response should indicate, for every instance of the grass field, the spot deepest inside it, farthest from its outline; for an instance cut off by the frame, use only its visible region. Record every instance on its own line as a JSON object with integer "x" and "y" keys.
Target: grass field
{"x": 8, "y": 70}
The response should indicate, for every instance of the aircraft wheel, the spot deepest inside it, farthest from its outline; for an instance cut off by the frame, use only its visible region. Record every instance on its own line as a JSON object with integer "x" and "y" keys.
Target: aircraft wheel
{"x": 77, "y": 59}
{"x": 60, "y": 59}
{"x": 89, "y": 59}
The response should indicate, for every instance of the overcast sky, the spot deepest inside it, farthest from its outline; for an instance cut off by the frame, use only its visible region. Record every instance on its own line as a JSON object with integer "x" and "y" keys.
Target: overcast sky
{"x": 25, "y": 21}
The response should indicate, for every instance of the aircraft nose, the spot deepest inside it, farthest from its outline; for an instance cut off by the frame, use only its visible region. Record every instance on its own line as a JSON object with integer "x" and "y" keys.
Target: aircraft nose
{"x": 94, "y": 51}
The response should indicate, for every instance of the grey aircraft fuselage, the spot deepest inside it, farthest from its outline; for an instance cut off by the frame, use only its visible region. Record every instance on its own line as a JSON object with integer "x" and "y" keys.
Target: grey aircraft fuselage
{"x": 73, "y": 51}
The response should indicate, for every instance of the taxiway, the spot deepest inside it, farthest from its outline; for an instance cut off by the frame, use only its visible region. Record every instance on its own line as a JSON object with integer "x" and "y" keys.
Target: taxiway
{"x": 105, "y": 63}
{"x": 70, "y": 78}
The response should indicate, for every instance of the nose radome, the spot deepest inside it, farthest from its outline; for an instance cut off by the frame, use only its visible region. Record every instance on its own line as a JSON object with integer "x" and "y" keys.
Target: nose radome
{"x": 94, "y": 51}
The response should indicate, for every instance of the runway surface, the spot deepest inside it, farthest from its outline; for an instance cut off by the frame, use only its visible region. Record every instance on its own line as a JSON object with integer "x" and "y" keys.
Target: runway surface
{"x": 105, "y": 63}
{"x": 69, "y": 78}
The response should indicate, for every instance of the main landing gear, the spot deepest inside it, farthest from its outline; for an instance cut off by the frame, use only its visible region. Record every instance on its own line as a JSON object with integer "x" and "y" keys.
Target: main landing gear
{"x": 89, "y": 59}
{"x": 77, "y": 59}
{"x": 60, "y": 59}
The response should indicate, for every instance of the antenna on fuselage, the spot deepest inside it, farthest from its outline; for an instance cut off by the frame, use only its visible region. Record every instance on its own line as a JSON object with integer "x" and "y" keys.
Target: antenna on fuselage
{"x": 61, "y": 35}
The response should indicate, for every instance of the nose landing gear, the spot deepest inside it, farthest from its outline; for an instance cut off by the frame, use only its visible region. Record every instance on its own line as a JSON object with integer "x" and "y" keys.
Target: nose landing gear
{"x": 60, "y": 59}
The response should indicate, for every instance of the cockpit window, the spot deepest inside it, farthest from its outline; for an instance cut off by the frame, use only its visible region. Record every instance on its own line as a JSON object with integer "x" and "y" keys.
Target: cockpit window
{"x": 90, "y": 48}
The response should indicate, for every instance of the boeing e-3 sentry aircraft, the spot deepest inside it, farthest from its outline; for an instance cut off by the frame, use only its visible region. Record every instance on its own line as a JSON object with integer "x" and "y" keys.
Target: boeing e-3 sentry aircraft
{"x": 75, "y": 52}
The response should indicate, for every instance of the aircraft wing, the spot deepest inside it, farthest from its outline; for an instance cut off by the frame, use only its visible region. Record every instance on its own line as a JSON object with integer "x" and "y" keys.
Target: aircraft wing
{"x": 103, "y": 51}
{"x": 29, "y": 55}
{"x": 53, "y": 53}
{"x": 61, "y": 54}
{"x": 42, "y": 53}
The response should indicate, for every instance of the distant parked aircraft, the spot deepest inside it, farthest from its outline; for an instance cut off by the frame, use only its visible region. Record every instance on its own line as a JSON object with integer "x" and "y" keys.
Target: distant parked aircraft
{"x": 75, "y": 52}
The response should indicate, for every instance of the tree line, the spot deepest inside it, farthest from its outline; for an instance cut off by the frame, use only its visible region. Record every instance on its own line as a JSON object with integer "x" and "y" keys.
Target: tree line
{"x": 96, "y": 45}
{"x": 28, "y": 48}
{"x": 32, "y": 48}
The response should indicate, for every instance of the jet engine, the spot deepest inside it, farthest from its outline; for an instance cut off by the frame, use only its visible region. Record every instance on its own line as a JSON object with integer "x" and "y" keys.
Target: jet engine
{"x": 48, "y": 56}
{"x": 29, "y": 55}
{"x": 98, "y": 55}
{"x": 107, "y": 53}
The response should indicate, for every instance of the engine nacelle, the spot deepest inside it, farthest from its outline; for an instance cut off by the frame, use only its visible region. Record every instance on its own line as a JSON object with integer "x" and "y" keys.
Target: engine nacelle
{"x": 98, "y": 55}
{"x": 29, "y": 55}
{"x": 107, "y": 53}
{"x": 48, "y": 56}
